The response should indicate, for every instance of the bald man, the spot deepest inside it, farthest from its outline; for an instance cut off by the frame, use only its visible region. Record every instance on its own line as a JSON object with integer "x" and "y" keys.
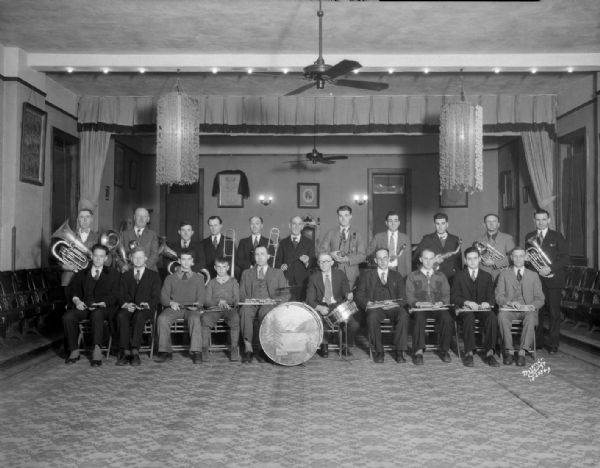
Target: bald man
{"x": 140, "y": 235}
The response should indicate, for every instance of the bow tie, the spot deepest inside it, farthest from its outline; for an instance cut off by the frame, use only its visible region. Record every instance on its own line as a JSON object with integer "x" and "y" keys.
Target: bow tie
{"x": 443, "y": 236}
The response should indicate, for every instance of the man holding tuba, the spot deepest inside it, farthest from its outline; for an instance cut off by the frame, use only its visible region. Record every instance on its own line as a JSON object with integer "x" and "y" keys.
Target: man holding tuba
{"x": 139, "y": 236}
{"x": 173, "y": 250}
{"x": 552, "y": 246}
{"x": 497, "y": 245}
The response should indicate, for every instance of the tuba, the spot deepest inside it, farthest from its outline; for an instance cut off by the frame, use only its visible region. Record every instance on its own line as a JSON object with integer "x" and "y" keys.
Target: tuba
{"x": 229, "y": 249}
{"x": 537, "y": 257}
{"x": 110, "y": 239}
{"x": 70, "y": 250}
{"x": 273, "y": 243}
{"x": 489, "y": 253}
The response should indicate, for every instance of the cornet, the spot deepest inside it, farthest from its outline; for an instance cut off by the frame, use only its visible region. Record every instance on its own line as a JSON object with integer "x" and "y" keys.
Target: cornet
{"x": 537, "y": 257}
{"x": 229, "y": 248}
{"x": 489, "y": 253}
{"x": 273, "y": 243}
{"x": 69, "y": 250}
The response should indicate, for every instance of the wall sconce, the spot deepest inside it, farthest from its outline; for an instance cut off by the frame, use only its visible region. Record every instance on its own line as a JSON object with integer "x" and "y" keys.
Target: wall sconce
{"x": 265, "y": 199}
{"x": 360, "y": 200}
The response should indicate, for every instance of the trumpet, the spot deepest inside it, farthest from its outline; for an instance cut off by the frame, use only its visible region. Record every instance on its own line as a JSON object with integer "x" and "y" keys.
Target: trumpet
{"x": 537, "y": 257}
{"x": 489, "y": 253}
{"x": 447, "y": 255}
{"x": 229, "y": 253}
{"x": 69, "y": 250}
{"x": 273, "y": 242}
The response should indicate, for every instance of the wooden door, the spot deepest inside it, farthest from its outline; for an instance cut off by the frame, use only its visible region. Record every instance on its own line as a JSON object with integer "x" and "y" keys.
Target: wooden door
{"x": 184, "y": 203}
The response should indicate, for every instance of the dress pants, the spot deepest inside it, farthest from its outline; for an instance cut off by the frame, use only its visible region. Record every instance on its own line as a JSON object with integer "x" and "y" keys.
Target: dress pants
{"x": 247, "y": 316}
{"x": 399, "y": 318}
{"x": 71, "y": 320}
{"x": 232, "y": 318}
{"x": 444, "y": 325}
{"x": 552, "y": 309}
{"x": 130, "y": 327}
{"x": 530, "y": 321}
{"x": 488, "y": 323}
{"x": 167, "y": 317}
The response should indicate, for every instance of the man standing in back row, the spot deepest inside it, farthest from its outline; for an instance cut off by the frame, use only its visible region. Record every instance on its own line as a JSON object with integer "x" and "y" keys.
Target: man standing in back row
{"x": 502, "y": 242}
{"x": 139, "y": 236}
{"x": 397, "y": 244}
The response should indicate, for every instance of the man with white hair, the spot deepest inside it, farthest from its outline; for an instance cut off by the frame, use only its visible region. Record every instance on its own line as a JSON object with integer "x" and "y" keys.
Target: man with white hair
{"x": 139, "y": 236}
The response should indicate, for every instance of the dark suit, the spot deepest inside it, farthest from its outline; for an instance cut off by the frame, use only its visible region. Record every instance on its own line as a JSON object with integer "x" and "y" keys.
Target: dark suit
{"x": 370, "y": 288}
{"x": 315, "y": 292}
{"x": 481, "y": 290}
{"x": 380, "y": 241}
{"x": 130, "y": 325}
{"x": 296, "y": 273}
{"x": 555, "y": 247}
{"x": 85, "y": 287}
{"x": 195, "y": 248}
{"x": 211, "y": 253}
{"x": 148, "y": 240}
{"x": 432, "y": 242}
{"x": 275, "y": 287}
{"x": 244, "y": 255}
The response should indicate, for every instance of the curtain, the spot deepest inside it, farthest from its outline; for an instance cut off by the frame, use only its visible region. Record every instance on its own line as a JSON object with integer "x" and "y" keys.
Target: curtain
{"x": 572, "y": 192}
{"x": 94, "y": 149}
{"x": 539, "y": 155}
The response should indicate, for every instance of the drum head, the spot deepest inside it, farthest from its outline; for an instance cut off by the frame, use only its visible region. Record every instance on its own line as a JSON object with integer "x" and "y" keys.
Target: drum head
{"x": 291, "y": 333}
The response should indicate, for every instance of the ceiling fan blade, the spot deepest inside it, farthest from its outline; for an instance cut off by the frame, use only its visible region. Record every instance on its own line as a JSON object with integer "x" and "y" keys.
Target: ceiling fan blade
{"x": 370, "y": 85}
{"x": 301, "y": 89}
{"x": 335, "y": 157}
{"x": 341, "y": 68}
{"x": 323, "y": 161}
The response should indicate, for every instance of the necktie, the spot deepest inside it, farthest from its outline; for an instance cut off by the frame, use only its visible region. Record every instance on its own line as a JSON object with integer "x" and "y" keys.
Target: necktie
{"x": 540, "y": 237}
{"x": 261, "y": 273}
{"x": 138, "y": 233}
{"x": 383, "y": 279}
{"x": 473, "y": 277}
{"x": 519, "y": 275}
{"x": 443, "y": 240}
{"x": 186, "y": 245}
{"x": 96, "y": 274}
{"x": 295, "y": 241}
{"x": 255, "y": 243}
{"x": 185, "y": 275}
{"x": 137, "y": 276}
{"x": 215, "y": 243}
{"x": 392, "y": 244}
{"x": 328, "y": 290}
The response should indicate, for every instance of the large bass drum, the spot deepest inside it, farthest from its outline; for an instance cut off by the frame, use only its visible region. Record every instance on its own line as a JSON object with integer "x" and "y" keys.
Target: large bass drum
{"x": 291, "y": 333}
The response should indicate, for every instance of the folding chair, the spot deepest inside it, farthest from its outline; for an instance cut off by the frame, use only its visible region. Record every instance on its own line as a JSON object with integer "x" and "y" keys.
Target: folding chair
{"x": 148, "y": 335}
{"x": 85, "y": 329}
{"x": 219, "y": 336}
{"x": 387, "y": 329}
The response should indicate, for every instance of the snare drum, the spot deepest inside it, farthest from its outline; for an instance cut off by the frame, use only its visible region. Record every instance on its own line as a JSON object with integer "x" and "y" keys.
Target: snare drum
{"x": 291, "y": 333}
{"x": 342, "y": 312}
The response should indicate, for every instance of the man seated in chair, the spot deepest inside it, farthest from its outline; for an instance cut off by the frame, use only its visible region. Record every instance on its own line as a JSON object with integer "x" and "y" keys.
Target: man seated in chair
{"x": 427, "y": 288}
{"x": 473, "y": 289}
{"x": 520, "y": 289}
{"x": 325, "y": 291}
{"x": 260, "y": 283}
{"x": 140, "y": 294}
{"x": 182, "y": 295}
{"x": 95, "y": 294}
{"x": 222, "y": 292}
{"x": 382, "y": 295}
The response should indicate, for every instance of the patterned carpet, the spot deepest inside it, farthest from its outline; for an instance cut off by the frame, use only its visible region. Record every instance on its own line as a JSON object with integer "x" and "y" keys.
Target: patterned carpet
{"x": 325, "y": 413}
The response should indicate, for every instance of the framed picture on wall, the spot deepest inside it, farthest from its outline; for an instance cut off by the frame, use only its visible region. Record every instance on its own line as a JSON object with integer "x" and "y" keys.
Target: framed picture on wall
{"x": 506, "y": 189}
{"x": 454, "y": 199}
{"x": 308, "y": 195}
{"x": 119, "y": 165}
{"x": 33, "y": 144}
{"x": 133, "y": 174}
{"x": 229, "y": 196}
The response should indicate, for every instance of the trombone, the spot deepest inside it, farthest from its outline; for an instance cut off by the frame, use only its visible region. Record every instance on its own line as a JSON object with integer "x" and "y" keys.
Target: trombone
{"x": 273, "y": 242}
{"x": 537, "y": 257}
{"x": 229, "y": 253}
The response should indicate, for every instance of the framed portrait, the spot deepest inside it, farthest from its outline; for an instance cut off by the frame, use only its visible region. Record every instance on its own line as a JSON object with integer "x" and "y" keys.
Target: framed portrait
{"x": 308, "y": 195}
{"x": 133, "y": 174}
{"x": 506, "y": 189}
{"x": 119, "y": 165}
{"x": 33, "y": 145}
{"x": 454, "y": 199}
{"x": 229, "y": 196}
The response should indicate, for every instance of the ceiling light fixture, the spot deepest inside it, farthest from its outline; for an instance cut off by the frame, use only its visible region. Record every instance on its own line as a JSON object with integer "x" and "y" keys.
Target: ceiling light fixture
{"x": 285, "y": 71}
{"x": 355, "y": 71}
{"x": 70, "y": 69}
{"x": 570, "y": 70}
{"x": 390, "y": 71}
{"x": 105, "y": 71}
{"x": 142, "y": 70}
{"x": 250, "y": 71}
{"x": 214, "y": 70}
{"x": 533, "y": 71}
{"x": 426, "y": 70}
{"x": 496, "y": 70}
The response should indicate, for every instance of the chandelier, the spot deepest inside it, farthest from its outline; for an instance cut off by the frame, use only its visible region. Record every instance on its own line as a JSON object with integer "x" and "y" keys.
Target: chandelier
{"x": 177, "y": 138}
{"x": 461, "y": 145}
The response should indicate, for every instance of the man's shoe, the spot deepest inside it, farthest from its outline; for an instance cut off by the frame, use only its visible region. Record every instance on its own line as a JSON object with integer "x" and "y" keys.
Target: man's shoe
{"x": 399, "y": 357}
{"x": 96, "y": 363}
{"x": 123, "y": 359}
{"x": 163, "y": 356}
{"x": 468, "y": 361}
{"x": 553, "y": 350}
{"x": 234, "y": 354}
{"x": 247, "y": 357}
{"x": 446, "y": 357}
{"x": 508, "y": 359}
{"x": 205, "y": 355}
{"x": 135, "y": 360}
{"x": 196, "y": 357}
{"x": 378, "y": 357}
{"x": 324, "y": 350}
{"x": 491, "y": 361}
{"x": 346, "y": 351}
{"x": 418, "y": 359}
{"x": 521, "y": 360}
{"x": 73, "y": 357}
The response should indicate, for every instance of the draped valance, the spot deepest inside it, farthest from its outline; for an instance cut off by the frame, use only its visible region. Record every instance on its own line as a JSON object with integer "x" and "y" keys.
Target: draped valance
{"x": 334, "y": 114}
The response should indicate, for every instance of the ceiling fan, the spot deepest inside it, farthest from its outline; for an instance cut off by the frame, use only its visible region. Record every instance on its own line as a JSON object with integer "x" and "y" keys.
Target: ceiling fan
{"x": 320, "y": 72}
